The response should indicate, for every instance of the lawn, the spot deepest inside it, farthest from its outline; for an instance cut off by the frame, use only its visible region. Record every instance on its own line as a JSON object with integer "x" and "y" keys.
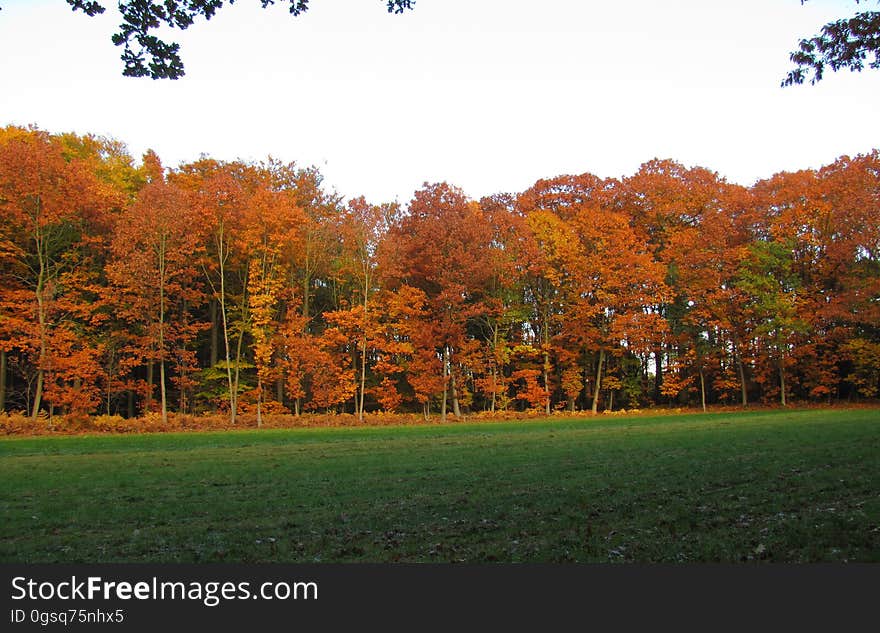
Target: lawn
{"x": 756, "y": 486}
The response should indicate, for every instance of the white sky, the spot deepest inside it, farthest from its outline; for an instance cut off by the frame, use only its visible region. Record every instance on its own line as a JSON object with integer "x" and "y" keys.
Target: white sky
{"x": 489, "y": 95}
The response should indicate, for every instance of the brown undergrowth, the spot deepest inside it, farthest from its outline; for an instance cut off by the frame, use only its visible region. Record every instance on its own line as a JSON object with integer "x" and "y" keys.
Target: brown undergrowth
{"x": 17, "y": 423}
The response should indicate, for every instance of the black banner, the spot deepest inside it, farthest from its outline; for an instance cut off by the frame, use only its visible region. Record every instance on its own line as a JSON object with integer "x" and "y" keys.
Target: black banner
{"x": 147, "y": 596}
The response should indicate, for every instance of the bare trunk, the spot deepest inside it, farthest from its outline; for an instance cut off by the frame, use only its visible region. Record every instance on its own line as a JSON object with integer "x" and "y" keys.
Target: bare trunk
{"x": 41, "y": 315}
{"x": 215, "y": 333}
{"x": 545, "y": 335}
{"x": 307, "y": 283}
{"x": 233, "y": 386}
{"x": 741, "y": 372}
{"x": 494, "y": 390}
{"x": 364, "y": 344}
{"x": 259, "y": 402}
{"x": 2, "y": 381}
{"x": 360, "y": 404}
{"x": 162, "y": 330}
{"x": 703, "y": 390}
{"x": 109, "y": 383}
{"x": 494, "y": 368}
{"x": 658, "y": 373}
{"x": 38, "y": 395}
{"x": 445, "y": 377}
{"x": 149, "y": 400}
{"x": 598, "y": 381}
{"x": 782, "y": 380}
{"x": 130, "y": 403}
{"x": 234, "y": 390}
{"x": 547, "y": 382}
{"x": 456, "y": 410}
{"x": 162, "y": 390}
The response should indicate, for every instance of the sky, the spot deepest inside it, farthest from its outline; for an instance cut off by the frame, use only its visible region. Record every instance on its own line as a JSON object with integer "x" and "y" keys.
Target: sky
{"x": 488, "y": 95}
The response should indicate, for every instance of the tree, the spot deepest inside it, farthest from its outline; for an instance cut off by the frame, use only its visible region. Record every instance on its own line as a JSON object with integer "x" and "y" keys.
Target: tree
{"x": 219, "y": 193}
{"x": 704, "y": 260}
{"x": 616, "y": 283}
{"x": 840, "y": 44}
{"x": 361, "y": 228}
{"x": 272, "y": 226}
{"x": 771, "y": 287}
{"x": 49, "y": 207}
{"x": 442, "y": 247}
{"x": 146, "y": 55}
{"x": 154, "y": 270}
{"x": 551, "y": 257}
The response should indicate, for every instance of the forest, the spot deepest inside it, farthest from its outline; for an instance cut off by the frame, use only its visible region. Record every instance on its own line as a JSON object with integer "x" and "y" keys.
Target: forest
{"x": 229, "y": 288}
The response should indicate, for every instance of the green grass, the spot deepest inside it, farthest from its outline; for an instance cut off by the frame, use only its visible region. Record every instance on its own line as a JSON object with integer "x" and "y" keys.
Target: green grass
{"x": 763, "y": 486}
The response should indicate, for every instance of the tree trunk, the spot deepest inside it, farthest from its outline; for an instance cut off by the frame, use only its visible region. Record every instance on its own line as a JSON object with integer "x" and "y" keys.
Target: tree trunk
{"x": 130, "y": 403}
{"x": 233, "y": 386}
{"x": 235, "y": 381}
{"x": 658, "y": 373}
{"x": 360, "y": 404}
{"x": 109, "y": 384}
{"x": 741, "y": 372}
{"x": 445, "y": 377}
{"x": 162, "y": 331}
{"x": 149, "y": 400}
{"x": 456, "y": 410}
{"x": 547, "y": 381}
{"x": 307, "y": 283}
{"x": 215, "y": 333}
{"x": 364, "y": 343}
{"x": 259, "y": 402}
{"x": 41, "y": 315}
{"x": 2, "y": 381}
{"x": 494, "y": 389}
{"x": 703, "y": 390}
{"x": 162, "y": 390}
{"x": 782, "y": 380}
{"x": 598, "y": 382}
{"x": 494, "y": 368}
{"x": 545, "y": 335}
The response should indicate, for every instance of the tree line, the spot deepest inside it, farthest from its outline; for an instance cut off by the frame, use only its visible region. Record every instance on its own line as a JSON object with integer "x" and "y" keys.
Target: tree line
{"x": 236, "y": 287}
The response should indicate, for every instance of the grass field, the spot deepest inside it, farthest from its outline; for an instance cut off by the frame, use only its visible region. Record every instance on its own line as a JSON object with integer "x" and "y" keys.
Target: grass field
{"x": 763, "y": 486}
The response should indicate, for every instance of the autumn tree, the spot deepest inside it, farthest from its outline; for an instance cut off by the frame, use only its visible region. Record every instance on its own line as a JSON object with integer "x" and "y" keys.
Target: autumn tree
{"x": 50, "y": 207}
{"x": 500, "y": 328}
{"x": 220, "y": 195}
{"x": 154, "y": 269}
{"x": 552, "y": 256}
{"x": 704, "y": 261}
{"x": 441, "y": 246}
{"x": 274, "y": 220}
{"x": 848, "y": 278}
{"x": 617, "y": 283}
{"x": 361, "y": 228}
{"x": 406, "y": 339}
